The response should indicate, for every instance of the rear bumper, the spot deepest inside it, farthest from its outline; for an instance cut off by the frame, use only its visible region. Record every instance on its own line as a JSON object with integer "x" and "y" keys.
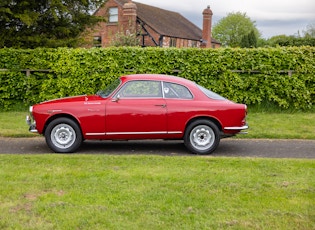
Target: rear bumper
{"x": 236, "y": 129}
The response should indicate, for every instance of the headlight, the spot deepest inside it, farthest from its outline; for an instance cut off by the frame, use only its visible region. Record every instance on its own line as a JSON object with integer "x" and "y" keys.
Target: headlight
{"x": 31, "y": 109}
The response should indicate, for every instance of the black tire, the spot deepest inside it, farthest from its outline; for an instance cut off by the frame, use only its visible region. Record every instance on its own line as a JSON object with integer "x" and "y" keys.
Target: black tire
{"x": 202, "y": 137}
{"x": 63, "y": 135}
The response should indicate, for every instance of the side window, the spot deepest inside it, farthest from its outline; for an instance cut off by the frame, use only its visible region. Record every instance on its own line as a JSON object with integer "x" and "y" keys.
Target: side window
{"x": 113, "y": 14}
{"x": 141, "y": 89}
{"x": 172, "y": 90}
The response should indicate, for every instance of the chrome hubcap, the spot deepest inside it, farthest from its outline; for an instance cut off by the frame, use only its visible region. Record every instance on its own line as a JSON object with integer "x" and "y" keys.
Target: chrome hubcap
{"x": 63, "y": 136}
{"x": 202, "y": 137}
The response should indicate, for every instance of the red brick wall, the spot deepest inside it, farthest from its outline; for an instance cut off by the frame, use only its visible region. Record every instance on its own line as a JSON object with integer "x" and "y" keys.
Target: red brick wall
{"x": 107, "y": 31}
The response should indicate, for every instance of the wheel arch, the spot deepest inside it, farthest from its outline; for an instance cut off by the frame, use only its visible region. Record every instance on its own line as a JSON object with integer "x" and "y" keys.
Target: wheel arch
{"x": 62, "y": 115}
{"x": 212, "y": 119}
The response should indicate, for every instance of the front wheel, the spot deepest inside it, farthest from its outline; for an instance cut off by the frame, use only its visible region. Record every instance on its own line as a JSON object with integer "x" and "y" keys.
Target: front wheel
{"x": 202, "y": 137}
{"x": 63, "y": 135}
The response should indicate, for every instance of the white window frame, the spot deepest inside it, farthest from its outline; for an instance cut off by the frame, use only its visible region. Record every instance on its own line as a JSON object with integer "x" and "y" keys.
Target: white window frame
{"x": 113, "y": 14}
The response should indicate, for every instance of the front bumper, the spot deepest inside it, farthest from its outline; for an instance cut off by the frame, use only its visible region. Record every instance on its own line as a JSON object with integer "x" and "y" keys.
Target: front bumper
{"x": 32, "y": 124}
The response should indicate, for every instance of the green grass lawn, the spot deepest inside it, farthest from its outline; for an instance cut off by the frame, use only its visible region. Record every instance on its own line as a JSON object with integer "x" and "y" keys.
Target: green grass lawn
{"x": 155, "y": 192}
{"x": 74, "y": 191}
{"x": 13, "y": 124}
{"x": 281, "y": 125}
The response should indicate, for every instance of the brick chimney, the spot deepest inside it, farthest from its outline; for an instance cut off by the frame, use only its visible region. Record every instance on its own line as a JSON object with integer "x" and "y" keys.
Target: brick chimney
{"x": 129, "y": 17}
{"x": 206, "y": 30}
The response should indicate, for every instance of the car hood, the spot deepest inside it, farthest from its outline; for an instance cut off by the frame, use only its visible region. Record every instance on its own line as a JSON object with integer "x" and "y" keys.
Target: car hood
{"x": 73, "y": 99}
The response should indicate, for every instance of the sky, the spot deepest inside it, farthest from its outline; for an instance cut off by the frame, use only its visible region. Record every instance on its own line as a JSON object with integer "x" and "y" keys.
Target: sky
{"x": 272, "y": 17}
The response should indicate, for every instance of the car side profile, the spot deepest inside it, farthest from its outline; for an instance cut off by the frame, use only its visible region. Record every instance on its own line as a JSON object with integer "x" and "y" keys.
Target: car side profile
{"x": 140, "y": 106}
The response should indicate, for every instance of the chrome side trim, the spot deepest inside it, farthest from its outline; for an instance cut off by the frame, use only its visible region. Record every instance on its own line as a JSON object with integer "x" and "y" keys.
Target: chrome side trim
{"x": 174, "y": 132}
{"x": 237, "y": 128}
{"x": 95, "y": 134}
{"x": 132, "y": 133}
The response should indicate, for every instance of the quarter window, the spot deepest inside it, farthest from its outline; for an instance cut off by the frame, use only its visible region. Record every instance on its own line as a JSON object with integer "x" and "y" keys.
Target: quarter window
{"x": 172, "y": 90}
{"x": 113, "y": 14}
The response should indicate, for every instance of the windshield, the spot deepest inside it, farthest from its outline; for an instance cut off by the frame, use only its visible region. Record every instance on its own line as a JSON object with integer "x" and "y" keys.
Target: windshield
{"x": 109, "y": 89}
{"x": 211, "y": 94}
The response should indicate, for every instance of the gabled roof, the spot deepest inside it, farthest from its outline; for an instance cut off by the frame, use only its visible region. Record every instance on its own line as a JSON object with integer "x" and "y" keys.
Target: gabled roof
{"x": 168, "y": 23}
{"x": 165, "y": 22}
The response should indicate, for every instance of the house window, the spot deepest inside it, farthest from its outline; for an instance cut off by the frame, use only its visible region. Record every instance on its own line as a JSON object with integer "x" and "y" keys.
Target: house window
{"x": 97, "y": 41}
{"x": 193, "y": 43}
{"x": 173, "y": 42}
{"x": 113, "y": 14}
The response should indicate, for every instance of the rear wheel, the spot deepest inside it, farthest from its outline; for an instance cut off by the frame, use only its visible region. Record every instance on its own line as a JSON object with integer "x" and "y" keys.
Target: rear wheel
{"x": 202, "y": 137}
{"x": 63, "y": 135}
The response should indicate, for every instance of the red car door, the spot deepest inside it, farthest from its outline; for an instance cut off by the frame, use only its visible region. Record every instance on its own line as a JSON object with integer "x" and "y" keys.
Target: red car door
{"x": 138, "y": 110}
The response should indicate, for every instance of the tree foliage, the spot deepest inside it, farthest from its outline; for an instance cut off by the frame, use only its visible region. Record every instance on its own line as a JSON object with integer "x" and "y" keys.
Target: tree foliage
{"x": 306, "y": 39}
{"x": 284, "y": 40}
{"x": 249, "y": 40}
{"x": 234, "y": 28}
{"x": 310, "y": 30}
{"x": 122, "y": 39}
{"x": 44, "y": 23}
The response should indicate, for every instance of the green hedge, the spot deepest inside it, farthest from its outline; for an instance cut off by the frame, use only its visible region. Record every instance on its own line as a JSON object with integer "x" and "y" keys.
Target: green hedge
{"x": 250, "y": 76}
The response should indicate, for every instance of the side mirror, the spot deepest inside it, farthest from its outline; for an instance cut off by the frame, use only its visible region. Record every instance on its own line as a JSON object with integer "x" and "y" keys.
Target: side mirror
{"x": 116, "y": 99}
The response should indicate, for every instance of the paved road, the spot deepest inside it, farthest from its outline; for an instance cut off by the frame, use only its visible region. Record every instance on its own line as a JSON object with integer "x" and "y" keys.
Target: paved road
{"x": 227, "y": 147}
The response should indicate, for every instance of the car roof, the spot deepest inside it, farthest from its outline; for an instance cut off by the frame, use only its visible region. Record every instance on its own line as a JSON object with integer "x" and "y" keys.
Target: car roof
{"x": 157, "y": 77}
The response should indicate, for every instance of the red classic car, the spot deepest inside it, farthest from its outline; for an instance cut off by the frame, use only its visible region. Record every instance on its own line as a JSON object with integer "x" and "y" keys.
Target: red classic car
{"x": 141, "y": 106}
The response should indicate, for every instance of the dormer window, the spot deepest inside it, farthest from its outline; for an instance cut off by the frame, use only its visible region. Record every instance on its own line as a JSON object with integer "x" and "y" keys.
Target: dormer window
{"x": 113, "y": 14}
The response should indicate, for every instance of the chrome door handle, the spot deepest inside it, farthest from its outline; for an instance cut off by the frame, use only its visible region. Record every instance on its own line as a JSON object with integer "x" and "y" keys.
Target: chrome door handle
{"x": 161, "y": 105}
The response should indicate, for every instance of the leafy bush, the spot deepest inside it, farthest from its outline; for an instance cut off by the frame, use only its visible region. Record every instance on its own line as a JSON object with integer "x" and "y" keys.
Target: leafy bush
{"x": 250, "y": 76}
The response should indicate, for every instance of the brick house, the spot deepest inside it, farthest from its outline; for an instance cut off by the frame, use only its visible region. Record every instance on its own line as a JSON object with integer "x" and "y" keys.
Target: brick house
{"x": 153, "y": 26}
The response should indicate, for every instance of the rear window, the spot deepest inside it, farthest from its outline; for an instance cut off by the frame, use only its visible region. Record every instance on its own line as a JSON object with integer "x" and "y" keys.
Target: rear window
{"x": 211, "y": 94}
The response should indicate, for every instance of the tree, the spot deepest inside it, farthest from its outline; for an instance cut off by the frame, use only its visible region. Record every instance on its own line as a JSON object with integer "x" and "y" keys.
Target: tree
{"x": 310, "y": 30}
{"x": 233, "y": 28}
{"x": 45, "y": 23}
{"x": 129, "y": 39}
{"x": 252, "y": 39}
{"x": 249, "y": 40}
{"x": 308, "y": 38}
{"x": 284, "y": 40}
{"x": 245, "y": 42}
